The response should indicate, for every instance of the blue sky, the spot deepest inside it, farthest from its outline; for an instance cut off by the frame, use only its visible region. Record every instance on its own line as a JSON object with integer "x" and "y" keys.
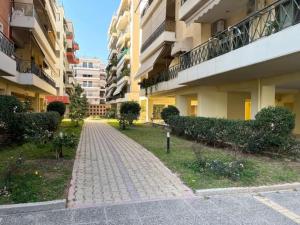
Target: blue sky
{"x": 91, "y": 20}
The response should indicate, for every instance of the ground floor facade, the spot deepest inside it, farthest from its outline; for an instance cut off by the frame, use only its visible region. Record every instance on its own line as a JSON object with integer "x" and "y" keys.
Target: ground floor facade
{"x": 33, "y": 98}
{"x": 240, "y": 100}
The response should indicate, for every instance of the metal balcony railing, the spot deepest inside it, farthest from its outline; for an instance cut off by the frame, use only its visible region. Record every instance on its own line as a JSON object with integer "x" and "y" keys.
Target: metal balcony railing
{"x": 27, "y": 9}
{"x": 272, "y": 19}
{"x": 166, "y": 75}
{"x": 167, "y": 25}
{"x": 27, "y": 66}
{"x": 122, "y": 54}
{"x": 6, "y": 46}
{"x": 147, "y": 5}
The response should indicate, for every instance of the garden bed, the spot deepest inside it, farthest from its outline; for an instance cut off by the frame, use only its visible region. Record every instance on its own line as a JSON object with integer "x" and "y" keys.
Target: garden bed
{"x": 258, "y": 170}
{"x": 40, "y": 177}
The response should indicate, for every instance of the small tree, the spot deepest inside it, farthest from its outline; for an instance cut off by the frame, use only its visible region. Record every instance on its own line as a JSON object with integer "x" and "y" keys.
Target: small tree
{"x": 129, "y": 112}
{"x": 78, "y": 104}
{"x": 57, "y": 107}
{"x": 169, "y": 111}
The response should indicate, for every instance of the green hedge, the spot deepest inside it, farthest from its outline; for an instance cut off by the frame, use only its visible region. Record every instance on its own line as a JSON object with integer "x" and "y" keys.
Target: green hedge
{"x": 57, "y": 107}
{"x": 270, "y": 132}
{"x": 27, "y": 123}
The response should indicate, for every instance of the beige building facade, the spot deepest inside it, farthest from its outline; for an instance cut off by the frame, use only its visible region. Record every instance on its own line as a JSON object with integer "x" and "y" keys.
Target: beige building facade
{"x": 32, "y": 52}
{"x": 220, "y": 58}
{"x": 124, "y": 45}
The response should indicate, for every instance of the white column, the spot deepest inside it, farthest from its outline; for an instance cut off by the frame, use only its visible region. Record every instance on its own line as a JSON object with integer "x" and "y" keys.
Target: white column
{"x": 182, "y": 104}
{"x": 267, "y": 96}
{"x": 212, "y": 104}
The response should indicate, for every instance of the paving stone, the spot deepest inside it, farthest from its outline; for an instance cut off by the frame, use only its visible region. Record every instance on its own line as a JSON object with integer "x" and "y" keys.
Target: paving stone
{"x": 112, "y": 168}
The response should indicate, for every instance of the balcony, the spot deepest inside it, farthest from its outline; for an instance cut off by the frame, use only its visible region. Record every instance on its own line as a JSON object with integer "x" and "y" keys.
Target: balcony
{"x": 8, "y": 64}
{"x": 124, "y": 37}
{"x": 25, "y": 16}
{"x": 209, "y": 11}
{"x": 72, "y": 58}
{"x": 266, "y": 40}
{"x": 32, "y": 75}
{"x": 75, "y": 46}
{"x": 163, "y": 81}
{"x": 123, "y": 57}
{"x": 123, "y": 21}
{"x": 147, "y": 5}
{"x": 165, "y": 33}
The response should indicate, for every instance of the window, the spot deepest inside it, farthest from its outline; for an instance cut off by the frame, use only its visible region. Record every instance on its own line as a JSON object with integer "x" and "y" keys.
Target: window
{"x": 84, "y": 64}
{"x": 87, "y": 75}
{"x": 90, "y": 65}
{"x": 87, "y": 84}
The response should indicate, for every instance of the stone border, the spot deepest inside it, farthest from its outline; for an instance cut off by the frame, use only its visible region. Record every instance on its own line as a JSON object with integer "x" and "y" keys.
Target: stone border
{"x": 245, "y": 190}
{"x": 32, "y": 207}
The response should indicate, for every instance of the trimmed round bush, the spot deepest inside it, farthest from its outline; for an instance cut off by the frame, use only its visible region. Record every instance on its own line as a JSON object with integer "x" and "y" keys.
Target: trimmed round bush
{"x": 57, "y": 107}
{"x": 168, "y": 112}
{"x": 276, "y": 125}
{"x": 9, "y": 106}
{"x": 130, "y": 107}
{"x": 130, "y": 111}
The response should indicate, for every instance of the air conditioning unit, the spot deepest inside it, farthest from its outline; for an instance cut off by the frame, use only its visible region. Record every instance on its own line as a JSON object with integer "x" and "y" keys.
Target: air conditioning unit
{"x": 218, "y": 27}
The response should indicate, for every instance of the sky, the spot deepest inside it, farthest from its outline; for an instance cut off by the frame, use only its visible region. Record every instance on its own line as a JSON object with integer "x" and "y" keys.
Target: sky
{"x": 91, "y": 20}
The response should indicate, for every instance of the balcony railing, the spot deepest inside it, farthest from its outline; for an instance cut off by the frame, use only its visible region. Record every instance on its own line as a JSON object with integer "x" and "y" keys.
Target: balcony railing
{"x": 148, "y": 4}
{"x": 27, "y": 66}
{"x": 167, "y": 25}
{"x": 272, "y": 19}
{"x": 164, "y": 76}
{"x": 6, "y": 46}
{"x": 27, "y": 9}
{"x": 122, "y": 54}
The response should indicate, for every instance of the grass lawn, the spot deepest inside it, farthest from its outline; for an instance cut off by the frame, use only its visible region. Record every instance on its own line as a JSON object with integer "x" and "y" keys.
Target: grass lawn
{"x": 41, "y": 177}
{"x": 258, "y": 170}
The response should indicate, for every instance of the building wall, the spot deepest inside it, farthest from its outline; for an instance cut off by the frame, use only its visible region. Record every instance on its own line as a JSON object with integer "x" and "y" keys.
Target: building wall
{"x": 5, "y": 10}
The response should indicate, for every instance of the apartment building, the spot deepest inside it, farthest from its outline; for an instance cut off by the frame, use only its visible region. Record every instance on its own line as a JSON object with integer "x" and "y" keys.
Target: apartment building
{"x": 124, "y": 41}
{"x": 31, "y": 50}
{"x": 220, "y": 58}
{"x": 90, "y": 74}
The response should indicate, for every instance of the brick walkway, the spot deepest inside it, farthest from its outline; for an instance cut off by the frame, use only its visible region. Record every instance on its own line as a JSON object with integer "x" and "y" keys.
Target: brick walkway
{"x": 112, "y": 168}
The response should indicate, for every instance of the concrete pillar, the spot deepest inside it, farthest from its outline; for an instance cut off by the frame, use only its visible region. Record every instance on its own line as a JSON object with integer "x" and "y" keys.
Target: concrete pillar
{"x": 254, "y": 103}
{"x": 182, "y": 104}
{"x": 267, "y": 96}
{"x": 212, "y": 104}
{"x": 36, "y": 103}
{"x": 297, "y": 112}
{"x": 149, "y": 110}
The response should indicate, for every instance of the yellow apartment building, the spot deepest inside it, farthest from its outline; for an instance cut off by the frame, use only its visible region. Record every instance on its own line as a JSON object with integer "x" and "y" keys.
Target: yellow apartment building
{"x": 124, "y": 45}
{"x": 220, "y": 58}
{"x": 32, "y": 54}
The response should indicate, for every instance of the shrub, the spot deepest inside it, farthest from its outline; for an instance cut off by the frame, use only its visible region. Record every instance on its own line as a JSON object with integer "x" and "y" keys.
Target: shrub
{"x": 129, "y": 112}
{"x": 111, "y": 113}
{"x": 276, "y": 125}
{"x": 270, "y": 132}
{"x": 232, "y": 169}
{"x": 31, "y": 124}
{"x": 169, "y": 111}
{"x": 57, "y": 107}
{"x": 9, "y": 106}
{"x": 63, "y": 140}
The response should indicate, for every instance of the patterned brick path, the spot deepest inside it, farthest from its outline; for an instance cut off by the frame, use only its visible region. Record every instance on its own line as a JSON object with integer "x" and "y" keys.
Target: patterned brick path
{"x": 112, "y": 168}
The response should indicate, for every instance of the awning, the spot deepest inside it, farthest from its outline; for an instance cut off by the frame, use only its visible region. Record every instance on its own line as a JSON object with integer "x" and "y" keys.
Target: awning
{"x": 63, "y": 99}
{"x": 182, "y": 46}
{"x": 120, "y": 88}
{"x": 148, "y": 65}
{"x": 108, "y": 94}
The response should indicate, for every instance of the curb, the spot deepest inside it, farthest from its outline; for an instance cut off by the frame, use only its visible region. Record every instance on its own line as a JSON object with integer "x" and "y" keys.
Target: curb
{"x": 32, "y": 207}
{"x": 247, "y": 190}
